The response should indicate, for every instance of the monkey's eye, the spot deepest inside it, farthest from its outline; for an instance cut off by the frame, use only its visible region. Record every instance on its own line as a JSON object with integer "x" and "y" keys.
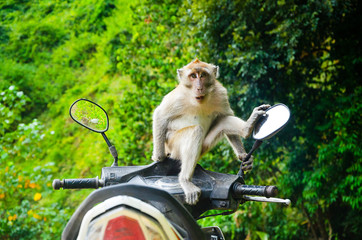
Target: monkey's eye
{"x": 203, "y": 75}
{"x": 193, "y": 75}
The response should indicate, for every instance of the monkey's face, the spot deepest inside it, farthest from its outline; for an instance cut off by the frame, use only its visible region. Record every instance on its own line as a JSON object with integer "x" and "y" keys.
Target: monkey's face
{"x": 200, "y": 78}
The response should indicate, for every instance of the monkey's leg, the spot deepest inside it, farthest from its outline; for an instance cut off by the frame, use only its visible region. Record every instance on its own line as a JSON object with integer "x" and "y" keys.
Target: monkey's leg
{"x": 236, "y": 144}
{"x": 232, "y": 125}
{"x": 239, "y": 150}
{"x": 229, "y": 125}
{"x": 189, "y": 141}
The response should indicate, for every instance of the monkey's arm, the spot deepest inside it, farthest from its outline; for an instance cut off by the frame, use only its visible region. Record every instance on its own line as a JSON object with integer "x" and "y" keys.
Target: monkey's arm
{"x": 159, "y": 135}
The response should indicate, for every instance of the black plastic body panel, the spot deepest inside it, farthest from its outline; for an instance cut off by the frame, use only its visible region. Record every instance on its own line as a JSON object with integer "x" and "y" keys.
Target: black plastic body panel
{"x": 216, "y": 187}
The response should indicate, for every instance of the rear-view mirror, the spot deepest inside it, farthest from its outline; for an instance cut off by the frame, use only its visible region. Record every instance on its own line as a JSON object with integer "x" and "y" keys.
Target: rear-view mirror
{"x": 273, "y": 121}
{"x": 90, "y": 115}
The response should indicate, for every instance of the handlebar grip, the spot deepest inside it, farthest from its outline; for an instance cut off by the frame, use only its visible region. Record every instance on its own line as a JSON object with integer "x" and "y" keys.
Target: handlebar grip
{"x": 77, "y": 183}
{"x": 267, "y": 191}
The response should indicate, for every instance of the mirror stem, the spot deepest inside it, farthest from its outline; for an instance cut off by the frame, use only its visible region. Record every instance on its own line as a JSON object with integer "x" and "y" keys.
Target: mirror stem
{"x": 106, "y": 139}
{"x": 112, "y": 149}
{"x": 257, "y": 144}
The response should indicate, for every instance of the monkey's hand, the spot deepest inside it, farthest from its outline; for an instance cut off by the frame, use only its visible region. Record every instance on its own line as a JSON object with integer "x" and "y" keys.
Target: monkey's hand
{"x": 246, "y": 165}
{"x": 192, "y": 192}
{"x": 158, "y": 156}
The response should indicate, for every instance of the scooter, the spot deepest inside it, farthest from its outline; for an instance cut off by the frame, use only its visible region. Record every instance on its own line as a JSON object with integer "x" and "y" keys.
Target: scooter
{"x": 147, "y": 202}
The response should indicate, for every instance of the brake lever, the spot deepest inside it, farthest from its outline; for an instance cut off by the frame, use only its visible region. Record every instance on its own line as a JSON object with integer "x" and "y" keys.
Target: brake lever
{"x": 286, "y": 202}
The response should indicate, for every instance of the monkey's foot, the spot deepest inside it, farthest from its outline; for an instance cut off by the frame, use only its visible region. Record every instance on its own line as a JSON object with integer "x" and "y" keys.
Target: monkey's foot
{"x": 264, "y": 107}
{"x": 258, "y": 111}
{"x": 192, "y": 193}
{"x": 246, "y": 165}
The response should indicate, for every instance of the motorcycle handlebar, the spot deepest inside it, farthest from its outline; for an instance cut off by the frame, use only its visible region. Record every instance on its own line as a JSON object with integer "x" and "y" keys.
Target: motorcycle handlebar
{"x": 238, "y": 189}
{"x": 78, "y": 183}
{"x": 267, "y": 191}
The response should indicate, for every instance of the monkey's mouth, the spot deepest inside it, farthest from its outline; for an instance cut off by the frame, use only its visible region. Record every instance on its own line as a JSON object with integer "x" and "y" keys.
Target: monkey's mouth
{"x": 200, "y": 98}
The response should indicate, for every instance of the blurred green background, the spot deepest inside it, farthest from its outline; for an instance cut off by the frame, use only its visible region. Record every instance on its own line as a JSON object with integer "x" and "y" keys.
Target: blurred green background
{"x": 124, "y": 55}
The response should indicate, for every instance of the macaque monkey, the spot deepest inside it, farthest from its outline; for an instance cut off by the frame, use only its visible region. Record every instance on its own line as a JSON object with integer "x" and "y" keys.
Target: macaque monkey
{"x": 193, "y": 117}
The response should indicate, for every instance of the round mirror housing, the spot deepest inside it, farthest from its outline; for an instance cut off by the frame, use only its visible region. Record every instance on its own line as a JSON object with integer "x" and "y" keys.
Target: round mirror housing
{"x": 275, "y": 118}
{"x": 90, "y": 115}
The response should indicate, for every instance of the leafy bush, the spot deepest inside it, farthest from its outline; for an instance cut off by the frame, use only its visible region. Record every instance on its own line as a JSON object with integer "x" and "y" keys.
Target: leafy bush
{"x": 21, "y": 216}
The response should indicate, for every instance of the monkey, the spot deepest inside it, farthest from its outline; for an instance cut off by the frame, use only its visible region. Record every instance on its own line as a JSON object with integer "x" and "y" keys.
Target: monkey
{"x": 193, "y": 118}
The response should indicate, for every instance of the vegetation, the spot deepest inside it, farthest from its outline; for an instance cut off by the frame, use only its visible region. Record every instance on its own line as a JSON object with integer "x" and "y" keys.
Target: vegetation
{"x": 305, "y": 54}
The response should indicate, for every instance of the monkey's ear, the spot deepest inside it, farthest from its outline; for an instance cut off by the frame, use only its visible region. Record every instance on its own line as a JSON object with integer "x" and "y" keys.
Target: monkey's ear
{"x": 216, "y": 71}
{"x": 179, "y": 73}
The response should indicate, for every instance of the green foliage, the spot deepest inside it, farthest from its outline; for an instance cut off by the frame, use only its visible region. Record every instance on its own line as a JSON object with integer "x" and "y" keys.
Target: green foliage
{"x": 45, "y": 48}
{"x": 304, "y": 54}
{"x": 292, "y": 53}
{"x": 273, "y": 51}
{"x": 12, "y": 105}
{"x": 22, "y": 215}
